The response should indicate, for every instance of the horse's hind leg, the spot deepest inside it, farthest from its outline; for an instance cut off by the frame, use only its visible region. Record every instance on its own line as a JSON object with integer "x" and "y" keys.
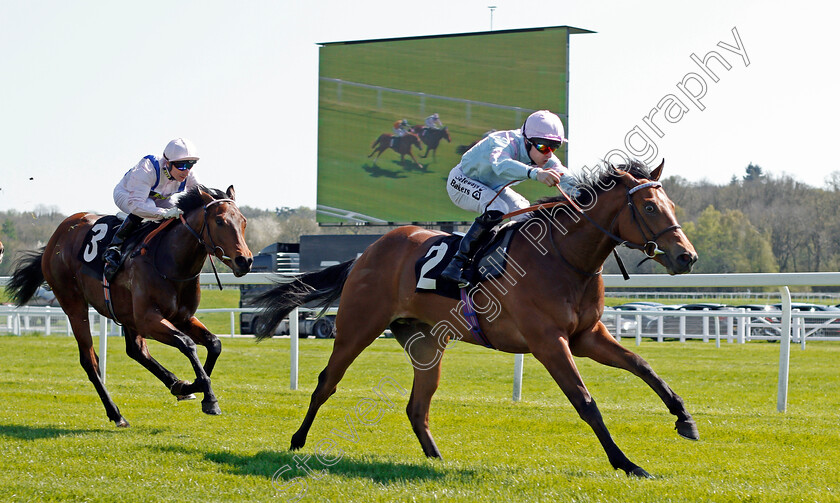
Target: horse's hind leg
{"x": 424, "y": 352}
{"x": 77, "y": 312}
{"x": 601, "y": 347}
{"x": 352, "y": 336}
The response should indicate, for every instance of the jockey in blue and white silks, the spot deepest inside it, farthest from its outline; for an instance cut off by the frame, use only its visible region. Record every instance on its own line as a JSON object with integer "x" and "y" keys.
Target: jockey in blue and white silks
{"x": 145, "y": 191}
{"x": 500, "y": 158}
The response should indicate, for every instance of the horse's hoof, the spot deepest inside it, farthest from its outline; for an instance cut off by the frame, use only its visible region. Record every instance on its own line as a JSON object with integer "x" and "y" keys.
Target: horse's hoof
{"x": 687, "y": 429}
{"x": 211, "y": 408}
{"x": 177, "y": 388}
{"x": 181, "y": 398}
{"x": 639, "y": 472}
{"x": 121, "y": 423}
{"x": 297, "y": 443}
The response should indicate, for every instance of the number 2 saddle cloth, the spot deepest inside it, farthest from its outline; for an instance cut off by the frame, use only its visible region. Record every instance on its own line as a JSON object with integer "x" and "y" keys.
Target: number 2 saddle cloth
{"x": 489, "y": 263}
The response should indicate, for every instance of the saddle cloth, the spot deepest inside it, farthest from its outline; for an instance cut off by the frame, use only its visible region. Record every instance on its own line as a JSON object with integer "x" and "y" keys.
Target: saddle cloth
{"x": 99, "y": 237}
{"x": 490, "y": 262}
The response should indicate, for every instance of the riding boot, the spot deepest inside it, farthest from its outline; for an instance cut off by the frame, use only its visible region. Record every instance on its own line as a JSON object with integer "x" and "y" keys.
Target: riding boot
{"x": 472, "y": 241}
{"x": 113, "y": 254}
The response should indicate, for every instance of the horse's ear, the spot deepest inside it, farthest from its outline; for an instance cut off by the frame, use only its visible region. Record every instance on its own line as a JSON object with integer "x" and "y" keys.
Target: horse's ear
{"x": 655, "y": 174}
{"x": 206, "y": 197}
{"x": 231, "y": 193}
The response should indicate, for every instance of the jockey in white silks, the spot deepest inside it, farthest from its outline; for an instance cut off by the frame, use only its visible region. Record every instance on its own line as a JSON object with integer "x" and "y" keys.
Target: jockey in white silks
{"x": 145, "y": 190}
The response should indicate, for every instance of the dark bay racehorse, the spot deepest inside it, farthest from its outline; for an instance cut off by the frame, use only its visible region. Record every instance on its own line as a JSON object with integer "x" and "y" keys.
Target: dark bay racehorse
{"x": 550, "y": 304}
{"x": 431, "y": 137}
{"x": 401, "y": 146}
{"x": 155, "y": 295}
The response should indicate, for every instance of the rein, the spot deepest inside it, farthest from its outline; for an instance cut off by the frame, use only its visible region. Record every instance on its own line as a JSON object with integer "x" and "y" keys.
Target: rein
{"x": 650, "y": 248}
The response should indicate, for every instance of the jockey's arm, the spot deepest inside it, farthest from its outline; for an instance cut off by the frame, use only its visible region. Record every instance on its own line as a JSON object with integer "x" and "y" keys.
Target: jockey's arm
{"x": 136, "y": 196}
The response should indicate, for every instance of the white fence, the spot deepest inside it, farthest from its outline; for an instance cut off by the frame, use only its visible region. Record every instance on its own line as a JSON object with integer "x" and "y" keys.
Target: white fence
{"x": 722, "y": 330}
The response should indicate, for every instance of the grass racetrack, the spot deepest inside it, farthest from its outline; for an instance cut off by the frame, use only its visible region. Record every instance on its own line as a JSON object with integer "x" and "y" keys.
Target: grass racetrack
{"x": 56, "y": 443}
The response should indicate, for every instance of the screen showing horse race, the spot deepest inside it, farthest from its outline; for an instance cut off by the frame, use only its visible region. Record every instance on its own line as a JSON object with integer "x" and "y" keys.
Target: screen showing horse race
{"x": 396, "y": 115}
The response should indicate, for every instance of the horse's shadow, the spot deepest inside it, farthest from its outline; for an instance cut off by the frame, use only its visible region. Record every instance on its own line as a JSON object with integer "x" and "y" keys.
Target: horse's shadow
{"x": 378, "y": 172}
{"x": 408, "y": 165}
{"x": 283, "y": 466}
{"x": 23, "y": 432}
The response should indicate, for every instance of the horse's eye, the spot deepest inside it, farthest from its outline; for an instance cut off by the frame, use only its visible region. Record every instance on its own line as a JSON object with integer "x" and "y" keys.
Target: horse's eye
{"x": 650, "y": 209}
{"x": 220, "y": 221}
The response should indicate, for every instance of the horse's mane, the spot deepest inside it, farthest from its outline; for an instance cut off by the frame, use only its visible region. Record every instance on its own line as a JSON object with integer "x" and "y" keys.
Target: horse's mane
{"x": 600, "y": 177}
{"x": 192, "y": 198}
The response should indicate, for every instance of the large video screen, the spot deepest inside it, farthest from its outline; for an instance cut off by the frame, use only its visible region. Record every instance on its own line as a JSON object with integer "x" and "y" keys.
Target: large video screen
{"x": 475, "y": 82}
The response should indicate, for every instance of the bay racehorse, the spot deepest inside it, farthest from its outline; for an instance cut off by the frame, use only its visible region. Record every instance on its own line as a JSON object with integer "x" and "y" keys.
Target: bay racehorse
{"x": 155, "y": 294}
{"x": 401, "y": 145}
{"x": 431, "y": 137}
{"x": 550, "y": 304}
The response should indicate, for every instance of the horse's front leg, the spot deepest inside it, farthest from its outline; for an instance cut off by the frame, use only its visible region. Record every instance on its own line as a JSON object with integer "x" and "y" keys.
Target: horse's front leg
{"x": 554, "y": 353}
{"x": 204, "y": 337}
{"x": 415, "y": 159}
{"x": 600, "y": 346}
{"x": 162, "y": 330}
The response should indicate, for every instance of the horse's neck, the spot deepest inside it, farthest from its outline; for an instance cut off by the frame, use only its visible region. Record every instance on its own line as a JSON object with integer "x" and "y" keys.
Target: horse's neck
{"x": 585, "y": 246}
{"x": 185, "y": 252}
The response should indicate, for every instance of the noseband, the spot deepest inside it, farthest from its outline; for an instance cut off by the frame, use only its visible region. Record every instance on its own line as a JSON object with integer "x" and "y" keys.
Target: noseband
{"x": 212, "y": 247}
{"x": 211, "y": 250}
{"x": 650, "y": 248}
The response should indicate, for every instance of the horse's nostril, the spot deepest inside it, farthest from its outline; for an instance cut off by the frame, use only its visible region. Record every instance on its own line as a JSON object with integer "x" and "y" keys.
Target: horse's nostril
{"x": 243, "y": 263}
{"x": 687, "y": 259}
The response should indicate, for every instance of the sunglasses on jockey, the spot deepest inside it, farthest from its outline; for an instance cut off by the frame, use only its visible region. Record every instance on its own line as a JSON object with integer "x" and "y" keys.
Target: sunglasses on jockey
{"x": 544, "y": 146}
{"x": 182, "y": 165}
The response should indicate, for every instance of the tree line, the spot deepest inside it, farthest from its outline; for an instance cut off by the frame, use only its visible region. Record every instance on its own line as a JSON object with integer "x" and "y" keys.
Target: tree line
{"x": 755, "y": 223}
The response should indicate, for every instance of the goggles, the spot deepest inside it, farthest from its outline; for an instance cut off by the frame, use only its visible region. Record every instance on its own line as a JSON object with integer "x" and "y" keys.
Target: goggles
{"x": 182, "y": 165}
{"x": 544, "y": 147}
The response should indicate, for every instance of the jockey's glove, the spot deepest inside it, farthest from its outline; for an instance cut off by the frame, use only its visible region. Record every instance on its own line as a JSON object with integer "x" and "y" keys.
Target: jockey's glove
{"x": 548, "y": 177}
{"x": 173, "y": 212}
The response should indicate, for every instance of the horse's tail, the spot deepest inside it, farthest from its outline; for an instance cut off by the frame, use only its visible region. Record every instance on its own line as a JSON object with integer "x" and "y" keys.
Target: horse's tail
{"x": 324, "y": 285}
{"x": 26, "y": 278}
{"x": 377, "y": 141}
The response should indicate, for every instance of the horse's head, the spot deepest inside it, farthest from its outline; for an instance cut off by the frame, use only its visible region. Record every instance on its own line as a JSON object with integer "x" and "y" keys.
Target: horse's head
{"x": 650, "y": 223}
{"x": 224, "y": 231}
{"x": 445, "y": 133}
{"x": 414, "y": 140}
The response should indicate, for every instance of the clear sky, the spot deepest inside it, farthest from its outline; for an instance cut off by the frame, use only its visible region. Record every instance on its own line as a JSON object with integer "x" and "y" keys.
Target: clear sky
{"x": 89, "y": 87}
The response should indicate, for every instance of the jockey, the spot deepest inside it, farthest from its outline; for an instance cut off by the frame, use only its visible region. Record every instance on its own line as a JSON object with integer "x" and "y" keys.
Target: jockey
{"x": 433, "y": 122}
{"x": 145, "y": 190}
{"x": 499, "y": 158}
{"x": 401, "y": 127}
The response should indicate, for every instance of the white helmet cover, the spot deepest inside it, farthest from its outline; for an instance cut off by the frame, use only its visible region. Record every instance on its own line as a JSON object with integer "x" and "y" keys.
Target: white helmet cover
{"x": 180, "y": 149}
{"x": 544, "y": 124}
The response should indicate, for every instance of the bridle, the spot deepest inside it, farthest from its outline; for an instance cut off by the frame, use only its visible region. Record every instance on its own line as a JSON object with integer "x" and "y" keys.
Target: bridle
{"x": 650, "y": 248}
{"x": 209, "y": 248}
